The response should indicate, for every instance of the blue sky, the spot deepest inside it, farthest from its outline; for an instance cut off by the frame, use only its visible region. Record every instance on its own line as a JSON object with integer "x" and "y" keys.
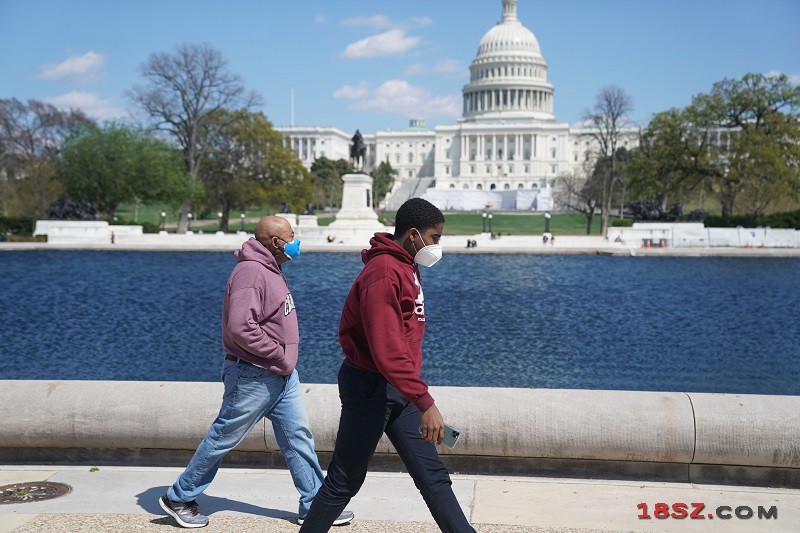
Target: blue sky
{"x": 375, "y": 64}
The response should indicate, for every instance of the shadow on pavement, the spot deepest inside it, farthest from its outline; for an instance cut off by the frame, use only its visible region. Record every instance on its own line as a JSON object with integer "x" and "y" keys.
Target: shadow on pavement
{"x": 148, "y": 500}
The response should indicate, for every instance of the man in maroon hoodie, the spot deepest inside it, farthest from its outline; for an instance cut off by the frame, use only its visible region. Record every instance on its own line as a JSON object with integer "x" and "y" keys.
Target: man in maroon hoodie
{"x": 381, "y": 330}
{"x": 260, "y": 340}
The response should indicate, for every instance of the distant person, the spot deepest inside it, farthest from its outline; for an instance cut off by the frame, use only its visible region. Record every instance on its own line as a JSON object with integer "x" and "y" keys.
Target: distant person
{"x": 552, "y": 240}
{"x": 469, "y": 242}
{"x": 474, "y": 244}
{"x": 112, "y": 237}
{"x": 381, "y": 330}
{"x": 260, "y": 340}
{"x": 544, "y": 238}
{"x": 330, "y": 238}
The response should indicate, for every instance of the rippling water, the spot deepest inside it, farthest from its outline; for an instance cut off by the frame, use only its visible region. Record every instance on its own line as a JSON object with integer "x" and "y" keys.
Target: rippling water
{"x": 671, "y": 324}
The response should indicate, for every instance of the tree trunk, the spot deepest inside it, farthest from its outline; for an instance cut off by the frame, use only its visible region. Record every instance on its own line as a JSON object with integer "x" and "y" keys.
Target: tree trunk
{"x": 183, "y": 221}
{"x": 224, "y": 220}
{"x": 589, "y": 217}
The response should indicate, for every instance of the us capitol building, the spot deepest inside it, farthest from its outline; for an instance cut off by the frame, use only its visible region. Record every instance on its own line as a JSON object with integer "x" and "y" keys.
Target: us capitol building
{"x": 507, "y": 149}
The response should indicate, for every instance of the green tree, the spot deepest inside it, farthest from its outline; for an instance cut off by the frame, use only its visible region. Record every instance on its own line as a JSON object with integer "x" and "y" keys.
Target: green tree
{"x": 741, "y": 141}
{"x": 116, "y": 163}
{"x": 326, "y": 180}
{"x": 383, "y": 178}
{"x": 247, "y": 164}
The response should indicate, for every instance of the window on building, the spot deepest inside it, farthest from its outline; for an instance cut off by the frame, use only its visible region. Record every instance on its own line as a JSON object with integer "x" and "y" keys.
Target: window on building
{"x": 553, "y": 169}
{"x": 472, "y": 169}
{"x": 452, "y": 185}
{"x": 447, "y": 171}
{"x": 488, "y": 169}
{"x": 410, "y": 157}
{"x": 520, "y": 185}
{"x": 397, "y": 158}
{"x": 492, "y": 187}
{"x": 506, "y": 186}
{"x": 466, "y": 186}
{"x": 527, "y": 169}
{"x": 576, "y": 156}
{"x": 410, "y": 173}
{"x": 553, "y": 153}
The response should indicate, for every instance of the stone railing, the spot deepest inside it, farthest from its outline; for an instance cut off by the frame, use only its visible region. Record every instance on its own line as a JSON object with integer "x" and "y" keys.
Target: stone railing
{"x": 664, "y": 435}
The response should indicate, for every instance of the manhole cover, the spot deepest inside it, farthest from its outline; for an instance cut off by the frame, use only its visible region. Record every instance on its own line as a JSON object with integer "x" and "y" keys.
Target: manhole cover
{"x": 36, "y": 491}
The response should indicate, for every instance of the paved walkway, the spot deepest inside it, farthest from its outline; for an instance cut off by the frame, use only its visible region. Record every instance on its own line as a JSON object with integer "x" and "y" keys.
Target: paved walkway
{"x": 125, "y": 499}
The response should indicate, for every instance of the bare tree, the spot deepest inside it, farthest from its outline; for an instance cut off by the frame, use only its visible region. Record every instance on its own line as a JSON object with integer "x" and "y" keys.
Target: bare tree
{"x": 31, "y": 135}
{"x": 607, "y": 121}
{"x": 183, "y": 90}
{"x": 580, "y": 192}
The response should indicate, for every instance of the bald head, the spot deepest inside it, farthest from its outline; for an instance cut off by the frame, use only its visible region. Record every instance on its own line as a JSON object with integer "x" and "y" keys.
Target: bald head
{"x": 269, "y": 227}
{"x": 273, "y": 233}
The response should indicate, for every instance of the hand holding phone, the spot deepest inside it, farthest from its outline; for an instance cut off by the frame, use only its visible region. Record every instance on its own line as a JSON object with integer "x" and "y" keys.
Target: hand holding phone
{"x": 450, "y": 437}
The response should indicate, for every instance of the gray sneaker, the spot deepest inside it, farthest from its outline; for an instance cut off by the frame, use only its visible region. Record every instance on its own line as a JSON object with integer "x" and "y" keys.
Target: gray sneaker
{"x": 185, "y": 514}
{"x": 345, "y": 518}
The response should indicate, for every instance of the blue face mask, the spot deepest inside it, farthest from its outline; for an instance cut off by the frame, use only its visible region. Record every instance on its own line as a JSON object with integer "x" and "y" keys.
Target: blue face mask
{"x": 291, "y": 249}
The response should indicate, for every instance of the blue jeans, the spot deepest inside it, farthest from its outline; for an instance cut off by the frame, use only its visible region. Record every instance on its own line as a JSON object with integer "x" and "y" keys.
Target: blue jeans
{"x": 250, "y": 394}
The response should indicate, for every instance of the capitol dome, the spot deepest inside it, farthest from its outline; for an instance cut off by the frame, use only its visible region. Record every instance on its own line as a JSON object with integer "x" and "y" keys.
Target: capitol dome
{"x": 508, "y": 77}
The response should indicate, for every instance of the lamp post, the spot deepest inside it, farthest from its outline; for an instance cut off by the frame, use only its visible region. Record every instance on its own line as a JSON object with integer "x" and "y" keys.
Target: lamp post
{"x": 547, "y": 222}
{"x": 189, "y": 225}
{"x": 242, "y": 217}
{"x": 163, "y": 220}
{"x": 219, "y": 220}
{"x": 490, "y": 222}
{"x": 484, "y": 222}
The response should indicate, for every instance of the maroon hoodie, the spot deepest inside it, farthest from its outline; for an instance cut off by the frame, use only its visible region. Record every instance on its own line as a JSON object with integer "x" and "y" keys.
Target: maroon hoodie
{"x": 259, "y": 323}
{"x": 383, "y": 320}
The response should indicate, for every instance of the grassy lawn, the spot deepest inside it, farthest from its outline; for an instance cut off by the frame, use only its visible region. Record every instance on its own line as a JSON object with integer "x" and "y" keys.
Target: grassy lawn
{"x": 521, "y": 224}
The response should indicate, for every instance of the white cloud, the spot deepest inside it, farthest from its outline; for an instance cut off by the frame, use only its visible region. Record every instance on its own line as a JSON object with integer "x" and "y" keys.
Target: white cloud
{"x": 392, "y": 42}
{"x": 375, "y": 21}
{"x": 422, "y": 21}
{"x": 89, "y": 103}
{"x": 320, "y": 18}
{"x": 401, "y": 98}
{"x": 352, "y": 92}
{"x": 794, "y": 79}
{"x": 83, "y": 67}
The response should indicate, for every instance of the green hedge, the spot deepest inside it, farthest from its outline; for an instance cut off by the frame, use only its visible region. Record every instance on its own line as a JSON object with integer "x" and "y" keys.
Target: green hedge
{"x": 623, "y": 223}
{"x": 17, "y": 225}
{"x": 790, "y": 219}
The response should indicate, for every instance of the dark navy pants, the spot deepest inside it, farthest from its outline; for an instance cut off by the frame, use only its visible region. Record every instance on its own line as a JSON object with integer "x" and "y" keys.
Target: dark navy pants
{"x": 370, "y": 407}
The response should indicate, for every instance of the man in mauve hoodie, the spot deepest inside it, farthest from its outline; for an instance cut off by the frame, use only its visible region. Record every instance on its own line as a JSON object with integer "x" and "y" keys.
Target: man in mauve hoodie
{"x": 260, "y": 339}
{"x": 381, "y": 330}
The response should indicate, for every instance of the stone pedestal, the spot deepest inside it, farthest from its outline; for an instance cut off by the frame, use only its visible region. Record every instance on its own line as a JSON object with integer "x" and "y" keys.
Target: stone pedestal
{"x": 356, "y": 222}
{"x": 356, "y": 212}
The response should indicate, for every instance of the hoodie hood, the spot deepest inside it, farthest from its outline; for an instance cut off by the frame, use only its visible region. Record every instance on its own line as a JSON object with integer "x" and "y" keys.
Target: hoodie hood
{"x": 252, "y": 250}
{"x": 383, "y": 243}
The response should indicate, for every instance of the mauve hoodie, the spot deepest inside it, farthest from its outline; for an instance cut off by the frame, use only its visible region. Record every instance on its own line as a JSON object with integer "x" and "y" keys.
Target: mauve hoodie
{"x": 259, "y": 322}
{"x": 383, "y": 320}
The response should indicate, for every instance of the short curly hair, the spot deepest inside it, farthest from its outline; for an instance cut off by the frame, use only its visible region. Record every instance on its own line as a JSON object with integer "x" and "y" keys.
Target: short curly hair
{"x": 416, "y": 213}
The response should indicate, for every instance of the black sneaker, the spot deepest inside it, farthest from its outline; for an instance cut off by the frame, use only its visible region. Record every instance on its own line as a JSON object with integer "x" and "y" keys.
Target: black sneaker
{"x": 184, "y": 513}
{"x": 345, "y": 518}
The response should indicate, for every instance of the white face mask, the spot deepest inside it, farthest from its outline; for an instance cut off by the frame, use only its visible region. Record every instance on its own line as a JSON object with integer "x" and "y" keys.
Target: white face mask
{"x": 428, "y": 255}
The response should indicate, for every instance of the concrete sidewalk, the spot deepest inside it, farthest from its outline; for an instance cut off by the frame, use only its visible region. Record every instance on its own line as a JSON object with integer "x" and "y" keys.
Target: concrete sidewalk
{"x": 125, "y": 499}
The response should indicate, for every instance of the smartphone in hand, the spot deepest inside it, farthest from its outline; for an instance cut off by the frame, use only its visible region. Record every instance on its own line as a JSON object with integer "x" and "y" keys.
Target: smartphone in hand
{"x": 451, "y": 435}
